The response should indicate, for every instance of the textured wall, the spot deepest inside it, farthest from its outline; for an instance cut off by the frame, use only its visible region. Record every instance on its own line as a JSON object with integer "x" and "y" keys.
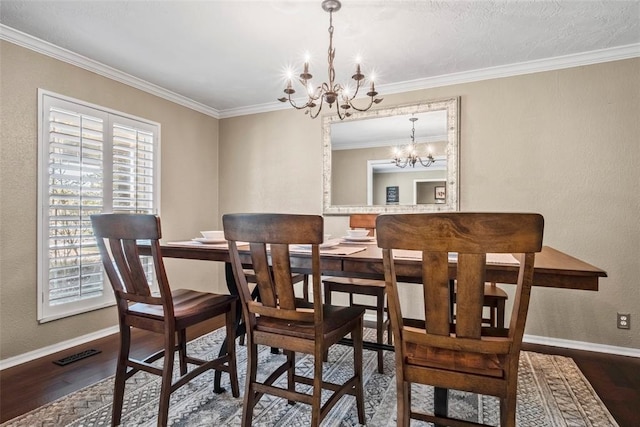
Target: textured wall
{"x": 563, "y": 143}
{"x": 188, "y": 201}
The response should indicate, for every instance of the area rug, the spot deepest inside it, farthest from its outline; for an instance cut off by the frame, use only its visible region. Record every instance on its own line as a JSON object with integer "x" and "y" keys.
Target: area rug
{"x": 551, "y": 392}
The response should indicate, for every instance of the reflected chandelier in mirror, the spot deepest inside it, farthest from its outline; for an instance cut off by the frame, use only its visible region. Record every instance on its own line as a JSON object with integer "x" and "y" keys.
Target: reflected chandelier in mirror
{"x": 360, "y": 171}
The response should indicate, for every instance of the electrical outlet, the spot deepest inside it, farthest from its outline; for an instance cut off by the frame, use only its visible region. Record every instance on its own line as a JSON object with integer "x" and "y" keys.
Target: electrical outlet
{"x": 624, "y": 320}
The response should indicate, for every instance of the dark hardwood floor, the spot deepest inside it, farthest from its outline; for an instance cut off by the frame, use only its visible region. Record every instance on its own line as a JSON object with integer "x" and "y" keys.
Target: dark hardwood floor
{"x": 616, "y": 379}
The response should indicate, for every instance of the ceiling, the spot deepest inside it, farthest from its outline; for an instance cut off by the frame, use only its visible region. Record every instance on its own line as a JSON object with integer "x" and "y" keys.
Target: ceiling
{"x": 229, "y": 57}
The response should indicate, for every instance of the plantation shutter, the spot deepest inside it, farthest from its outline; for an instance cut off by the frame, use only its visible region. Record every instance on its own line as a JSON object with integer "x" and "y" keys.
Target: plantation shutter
{"x": 133, "y": 160}
{"x": 75, "y": 190}
{"x": 93, "y": 161}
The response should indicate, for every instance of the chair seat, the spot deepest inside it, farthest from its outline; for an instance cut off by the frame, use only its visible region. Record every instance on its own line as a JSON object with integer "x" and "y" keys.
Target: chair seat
{"x": 492, "y": 291}
{"x": 460, "y": 361}
{"x": 350, "y": 284}
{"x": 335, "y": 318}
{"x": 189, "y": 307}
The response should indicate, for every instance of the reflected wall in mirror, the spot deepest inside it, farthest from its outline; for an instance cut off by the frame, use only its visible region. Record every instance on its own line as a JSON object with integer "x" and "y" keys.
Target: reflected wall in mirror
{"x": 363, "y": 171}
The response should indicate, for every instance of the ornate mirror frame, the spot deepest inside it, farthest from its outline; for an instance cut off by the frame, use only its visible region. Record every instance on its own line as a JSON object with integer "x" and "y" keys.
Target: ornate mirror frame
{"x": 451, "y": 105}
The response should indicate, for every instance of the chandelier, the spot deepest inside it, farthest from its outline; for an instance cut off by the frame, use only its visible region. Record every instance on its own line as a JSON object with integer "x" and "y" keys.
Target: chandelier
{"x": 331, "y": 92}
{"x": 411, "y": 152}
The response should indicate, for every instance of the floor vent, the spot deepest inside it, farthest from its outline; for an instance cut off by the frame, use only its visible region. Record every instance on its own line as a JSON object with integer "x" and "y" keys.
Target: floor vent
{"x": 75, "y": 357}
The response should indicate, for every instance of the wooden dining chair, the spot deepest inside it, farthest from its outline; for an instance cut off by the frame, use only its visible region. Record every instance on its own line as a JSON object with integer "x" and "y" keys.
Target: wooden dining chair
{"x": 168, "y": 313}
{"x": 372, "y": 288}
{"x": 284, "y": 321}
{"x": 461, "y": 355}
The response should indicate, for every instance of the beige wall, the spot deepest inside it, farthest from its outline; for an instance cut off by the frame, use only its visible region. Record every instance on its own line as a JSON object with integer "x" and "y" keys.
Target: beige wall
{"x": 189, "y": 187}
{"x": 563, "y": 143}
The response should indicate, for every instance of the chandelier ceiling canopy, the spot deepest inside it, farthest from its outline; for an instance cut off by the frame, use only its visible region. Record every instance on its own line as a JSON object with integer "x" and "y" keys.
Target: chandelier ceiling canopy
{"x": 330, "y": 92}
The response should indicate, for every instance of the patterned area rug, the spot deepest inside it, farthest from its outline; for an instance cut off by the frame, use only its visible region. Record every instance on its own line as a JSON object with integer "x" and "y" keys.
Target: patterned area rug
{"x": 551, "y": 392}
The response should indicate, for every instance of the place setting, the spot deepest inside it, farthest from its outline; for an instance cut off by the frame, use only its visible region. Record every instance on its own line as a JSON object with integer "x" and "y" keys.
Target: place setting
{"x": 209, "y": 239}
{"x": 358, "y": 236}
{"x": 330, "y": 246}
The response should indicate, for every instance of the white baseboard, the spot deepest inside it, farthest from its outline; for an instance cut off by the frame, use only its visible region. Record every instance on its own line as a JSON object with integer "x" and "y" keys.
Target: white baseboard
{"x": 45, "y": 351}
{"x": 557, "y": 342}
{"x": 582, "y": 345}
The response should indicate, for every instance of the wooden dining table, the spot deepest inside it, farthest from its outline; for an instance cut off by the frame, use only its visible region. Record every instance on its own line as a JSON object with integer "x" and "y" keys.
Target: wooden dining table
{"x": 552, "y": 268}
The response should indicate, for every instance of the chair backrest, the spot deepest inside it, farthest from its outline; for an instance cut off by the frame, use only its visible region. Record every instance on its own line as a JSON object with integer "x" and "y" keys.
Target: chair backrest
{"x": 367, "y": 221}
{"x": 117, "y": 237}
{"x": 269, "y": 237}
{"x": 471, "y": 236}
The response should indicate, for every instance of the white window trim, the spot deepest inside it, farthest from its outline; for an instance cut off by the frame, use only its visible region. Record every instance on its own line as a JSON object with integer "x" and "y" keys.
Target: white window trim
{"x": 46, "y": 313}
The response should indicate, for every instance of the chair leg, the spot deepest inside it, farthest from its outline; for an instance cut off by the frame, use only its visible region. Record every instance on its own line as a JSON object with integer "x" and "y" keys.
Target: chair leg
{"x": 121, "y": 370}
{"x": 500, "y": 313}
{"x": 327, "y": 301}
{"x": 317, "y": 387}
{"x": 182, "y": 350}
{"x": 167, "y": 373}
{"x": 230, "y": 320}
{"x": 249, "y": 394}
{"x": 507, "y": 412}
{"x": 356, "y": 334}
{"x": 380, "y": 329}
{"x": 389, "y": 330}
{"x": 291, "y": 371}
{"x": 305, "y": 287}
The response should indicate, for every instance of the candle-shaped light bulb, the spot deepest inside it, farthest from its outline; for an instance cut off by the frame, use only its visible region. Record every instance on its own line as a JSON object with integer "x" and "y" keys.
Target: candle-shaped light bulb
{"x": 306, "y": 63}
{"x": 305, "y": 73}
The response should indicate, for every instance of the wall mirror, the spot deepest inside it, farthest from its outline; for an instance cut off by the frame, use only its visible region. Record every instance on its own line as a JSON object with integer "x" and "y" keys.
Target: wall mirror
{"x": 361, "y": 176}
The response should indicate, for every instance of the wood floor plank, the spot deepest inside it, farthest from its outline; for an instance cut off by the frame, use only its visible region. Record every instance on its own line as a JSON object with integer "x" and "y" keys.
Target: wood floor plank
{"x": 23, "y": 388}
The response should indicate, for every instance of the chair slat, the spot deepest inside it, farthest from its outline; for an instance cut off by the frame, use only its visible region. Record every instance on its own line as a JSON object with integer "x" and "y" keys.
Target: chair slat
{"x": 436, "y": 292}
{"x": 281, "y": 267}
{"x": 470, "y": 294}
{"x": 264, "y": 279}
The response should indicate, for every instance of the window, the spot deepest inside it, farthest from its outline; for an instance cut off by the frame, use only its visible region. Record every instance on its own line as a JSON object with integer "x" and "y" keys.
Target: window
{"x": 91, "y": 160}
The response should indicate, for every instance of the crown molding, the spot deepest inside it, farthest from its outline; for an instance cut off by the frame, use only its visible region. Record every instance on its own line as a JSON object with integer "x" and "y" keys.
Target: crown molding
{"x": 25, "y": 40}
{"x": 528, "y": 67}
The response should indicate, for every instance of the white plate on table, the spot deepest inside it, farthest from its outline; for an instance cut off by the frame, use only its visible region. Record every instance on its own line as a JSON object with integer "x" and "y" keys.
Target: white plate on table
{"x": 324, "y": 245}
{"x": 359, "y": 239}
{"x": 208, "y": 241}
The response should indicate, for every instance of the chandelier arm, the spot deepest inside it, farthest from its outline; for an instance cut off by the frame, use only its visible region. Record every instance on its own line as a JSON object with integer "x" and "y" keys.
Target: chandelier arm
{"x": 363, "y": 109}
{"x": 427, "y": 164}
{"x": 313, "y": 116}
{"x": 294, "y": 105}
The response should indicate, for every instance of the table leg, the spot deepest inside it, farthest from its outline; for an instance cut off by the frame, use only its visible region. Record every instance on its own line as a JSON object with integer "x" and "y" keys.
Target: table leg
{"x": 240, "y": 327}
{"x": 441, "y": 402}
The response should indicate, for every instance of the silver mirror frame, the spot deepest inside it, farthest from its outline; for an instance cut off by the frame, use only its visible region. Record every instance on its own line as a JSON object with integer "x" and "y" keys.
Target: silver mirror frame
{"x": 453, "y": 140}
